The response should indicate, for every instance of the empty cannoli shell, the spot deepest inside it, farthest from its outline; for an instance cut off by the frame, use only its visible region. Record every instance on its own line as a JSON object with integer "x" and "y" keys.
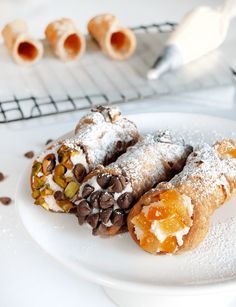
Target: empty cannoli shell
{"x": 23, "y": 48}
{"x": 116, "y": 41}
{"x": 66, "y": 40}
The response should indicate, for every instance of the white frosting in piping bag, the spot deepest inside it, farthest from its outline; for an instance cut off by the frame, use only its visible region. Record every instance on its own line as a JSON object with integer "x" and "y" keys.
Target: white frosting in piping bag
{"x": 200, "y": 31}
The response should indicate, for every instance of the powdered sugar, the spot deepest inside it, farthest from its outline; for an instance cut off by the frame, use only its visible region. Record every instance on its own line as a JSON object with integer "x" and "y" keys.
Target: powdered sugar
{"x": 209, "y": 169}
{"x": 217, "y": 254}
{"x": 151, "y": 155}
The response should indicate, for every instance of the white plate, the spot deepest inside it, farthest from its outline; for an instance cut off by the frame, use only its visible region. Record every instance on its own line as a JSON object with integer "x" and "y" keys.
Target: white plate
{"x": 117, "y": 261}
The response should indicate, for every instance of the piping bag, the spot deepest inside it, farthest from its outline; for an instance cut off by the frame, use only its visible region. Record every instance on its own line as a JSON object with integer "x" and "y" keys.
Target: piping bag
{"x": 200, "y": 31}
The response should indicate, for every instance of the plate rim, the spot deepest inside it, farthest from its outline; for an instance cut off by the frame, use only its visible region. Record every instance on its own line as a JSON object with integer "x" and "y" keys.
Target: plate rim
{"x": 118, "y": 283}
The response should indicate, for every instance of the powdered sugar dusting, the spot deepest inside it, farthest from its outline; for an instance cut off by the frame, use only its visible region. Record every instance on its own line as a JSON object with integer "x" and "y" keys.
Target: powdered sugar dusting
{"x": 217, "y": 254}
{"x": 209, "y": 169}
{"x": 150, "y": 156}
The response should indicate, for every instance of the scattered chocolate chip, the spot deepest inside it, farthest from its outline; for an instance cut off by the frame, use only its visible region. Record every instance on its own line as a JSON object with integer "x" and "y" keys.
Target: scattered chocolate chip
{"x": 81, "y": 219}
{"x": 87, "y": 190}
{"x": 106, "y": 200}
{"x": 100, "y": 230}
{"x": 125, "y": 200}
{"x": 117, "y": 218}
{"x": 171, "y": 164}
{"x": 93, "y": 219}
{"x": 59, "y": 195}
{"x": 105, "y": 215}
{"x": 2, "y": 177}
{"x": 94, "y": 199}
{"x": 49, "y": 141}
{"x": 103, "y": 180}
{"x": 117, "y": 184}
{"x": 83, "y": 209}
{"x": 79, "y": 172}
{"x": 29, "y": 154}
{"x": 5, "y": 200}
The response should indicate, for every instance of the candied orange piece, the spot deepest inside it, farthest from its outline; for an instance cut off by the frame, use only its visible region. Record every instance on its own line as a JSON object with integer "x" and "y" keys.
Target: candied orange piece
{"x": 150, "y": 243}
{"x": 158, "y": 213}
{"x": 170, "y": 196}
{"x": 169, "y": 245}
{"x": 171, "y": 225}
{"x": 141, "y": 222}
{"x": 232, "y": 152}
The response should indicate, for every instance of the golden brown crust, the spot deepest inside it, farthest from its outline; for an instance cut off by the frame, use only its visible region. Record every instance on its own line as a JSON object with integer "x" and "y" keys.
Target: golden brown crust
{"x": 116, "y": 41}
{"x": 23, "y": 48}
{"x": 66, "y": 40}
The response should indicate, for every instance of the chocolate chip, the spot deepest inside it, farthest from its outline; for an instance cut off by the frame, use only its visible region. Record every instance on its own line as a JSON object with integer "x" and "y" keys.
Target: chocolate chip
{"x": 87, "y": 190}
{"x": 29, "y": 154}
{"x": 79, "y": 172}
{"x": 49, "y": 163}
{"x": 103, "y": 180}
{"x": 59, "y": 195}
{"x": 117, "y": 184}
{"x": 81, "y": 219}
{"x": 100, "y": 230}
{"x": 5, "y": 200}
{"x": 49, "y": 141}
{"x": 125, "y": 200}
{"x": 119, "y": 145}
{"x": 106, "y": 200}
{"x": 117, "y": 218}
{"x": 83, "y": 209}
{"x": 2, "y": 177}
{"x": 93, "y": 219}
{"x": 105, "y": 215}
{"x": 94, "y": 199}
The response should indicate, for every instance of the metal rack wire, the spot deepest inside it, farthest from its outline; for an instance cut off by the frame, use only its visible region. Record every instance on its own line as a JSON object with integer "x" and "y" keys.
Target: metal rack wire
{"x": 52, "y": 87}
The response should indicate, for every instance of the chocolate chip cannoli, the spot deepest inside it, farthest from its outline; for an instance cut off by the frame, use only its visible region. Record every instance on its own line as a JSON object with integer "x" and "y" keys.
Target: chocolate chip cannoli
{"x": 108, "y": 193}
{"x": 116, "y": 41}
{"x": 100, "y": 137}
{"x": 174, "y": 217}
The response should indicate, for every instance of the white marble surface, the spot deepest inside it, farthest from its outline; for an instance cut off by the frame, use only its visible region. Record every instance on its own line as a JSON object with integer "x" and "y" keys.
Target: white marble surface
{"x": 28, "y": 276}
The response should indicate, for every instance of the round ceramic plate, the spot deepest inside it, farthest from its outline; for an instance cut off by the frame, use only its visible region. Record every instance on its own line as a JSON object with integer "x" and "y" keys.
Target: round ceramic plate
{"x": 117, "y": 261}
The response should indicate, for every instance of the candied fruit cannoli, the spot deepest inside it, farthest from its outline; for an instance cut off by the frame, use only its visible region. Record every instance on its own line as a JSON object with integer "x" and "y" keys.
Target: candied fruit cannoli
{"x": 116, "y": 41}
{"x": 66, "y": 40}
{"x": 174, "y": 217}
{"x": 100, "y": 137}
{"x": 23, "y": 48}
{"x": 108, "y": 193}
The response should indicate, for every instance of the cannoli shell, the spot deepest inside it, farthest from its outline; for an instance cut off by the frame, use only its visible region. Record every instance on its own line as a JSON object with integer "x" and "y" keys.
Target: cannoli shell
{"x": 206, "y": 196}
{"x": 66, "y": 40}
{"x": 23, "y": 48}
{"x": 116, "y": 41}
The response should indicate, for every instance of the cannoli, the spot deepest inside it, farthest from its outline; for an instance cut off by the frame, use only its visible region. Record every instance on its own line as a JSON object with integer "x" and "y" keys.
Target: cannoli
{"x": 116, "y": 41}
{"x": 101, "y": 136}
{"x": 23, "y": 48}
{"x": 66, "y": 40}
{"x": 174, "y": 217}
{"x": 108, "y": 193}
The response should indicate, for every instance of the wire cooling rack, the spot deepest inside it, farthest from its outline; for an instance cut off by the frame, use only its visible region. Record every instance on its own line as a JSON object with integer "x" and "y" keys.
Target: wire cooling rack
{"x": 53, "y": 87}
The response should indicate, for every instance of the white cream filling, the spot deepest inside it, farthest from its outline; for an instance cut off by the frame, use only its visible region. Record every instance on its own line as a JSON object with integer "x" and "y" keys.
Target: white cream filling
{"x": 79, "y": 158}
{"x": 50, "y": 200}
{"x": 155, "y": 225}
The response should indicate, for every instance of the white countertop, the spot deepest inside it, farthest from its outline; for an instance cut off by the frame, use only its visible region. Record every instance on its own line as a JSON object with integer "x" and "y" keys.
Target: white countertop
{"x": 29, "y": 277}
